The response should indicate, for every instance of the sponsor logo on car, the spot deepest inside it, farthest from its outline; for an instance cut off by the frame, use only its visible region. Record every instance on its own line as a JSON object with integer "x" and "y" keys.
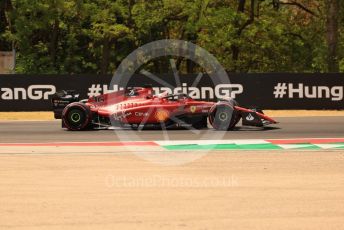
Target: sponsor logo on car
{"x": 161, "y": 115}
{"x": 121, "y": 116}
{"x": 249, "y": 117}
{"x": 141, "y": 114}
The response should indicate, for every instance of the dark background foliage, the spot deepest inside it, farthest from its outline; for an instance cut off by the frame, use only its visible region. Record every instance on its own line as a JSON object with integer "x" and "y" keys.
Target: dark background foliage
{"x": 88, "y": 36}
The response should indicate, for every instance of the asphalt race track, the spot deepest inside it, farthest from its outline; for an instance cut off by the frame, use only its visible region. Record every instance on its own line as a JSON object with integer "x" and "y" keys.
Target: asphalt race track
{"x": 51, "y": 131}
{"x": 73, "y": 186}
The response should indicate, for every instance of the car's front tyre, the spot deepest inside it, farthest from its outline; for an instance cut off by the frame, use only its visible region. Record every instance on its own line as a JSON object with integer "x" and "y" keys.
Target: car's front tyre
{"x": 223, "y": 116}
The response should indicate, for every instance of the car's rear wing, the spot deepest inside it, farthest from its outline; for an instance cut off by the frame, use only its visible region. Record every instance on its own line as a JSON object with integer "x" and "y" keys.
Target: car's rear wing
{"x": 61, "y": 99}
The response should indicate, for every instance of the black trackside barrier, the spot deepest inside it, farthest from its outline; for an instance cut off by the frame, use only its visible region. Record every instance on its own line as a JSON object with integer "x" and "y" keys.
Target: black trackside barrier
{"x": 266, "y": 91}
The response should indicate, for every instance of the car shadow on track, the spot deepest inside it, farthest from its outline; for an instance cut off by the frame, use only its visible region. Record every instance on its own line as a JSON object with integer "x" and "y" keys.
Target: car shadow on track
{"x": 249, "y": 128}
{"x": 235, "y": 129}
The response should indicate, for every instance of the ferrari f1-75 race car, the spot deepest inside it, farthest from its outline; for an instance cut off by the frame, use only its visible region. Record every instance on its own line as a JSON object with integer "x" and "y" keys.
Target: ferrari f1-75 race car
{"x": 138, "y": 107}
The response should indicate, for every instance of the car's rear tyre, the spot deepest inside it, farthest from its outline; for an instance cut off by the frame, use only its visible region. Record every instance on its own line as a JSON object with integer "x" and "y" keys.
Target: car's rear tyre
{"x": 223, "y": 115}
{"x": 76, "y": 116}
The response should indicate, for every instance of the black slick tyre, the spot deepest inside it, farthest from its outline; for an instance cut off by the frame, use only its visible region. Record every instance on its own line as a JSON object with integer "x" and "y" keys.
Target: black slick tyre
{"x": 77, "y": 116}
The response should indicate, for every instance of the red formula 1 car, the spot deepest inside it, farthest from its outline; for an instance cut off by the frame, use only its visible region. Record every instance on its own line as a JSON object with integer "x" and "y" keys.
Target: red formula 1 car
{"x": 139, "y": 107}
